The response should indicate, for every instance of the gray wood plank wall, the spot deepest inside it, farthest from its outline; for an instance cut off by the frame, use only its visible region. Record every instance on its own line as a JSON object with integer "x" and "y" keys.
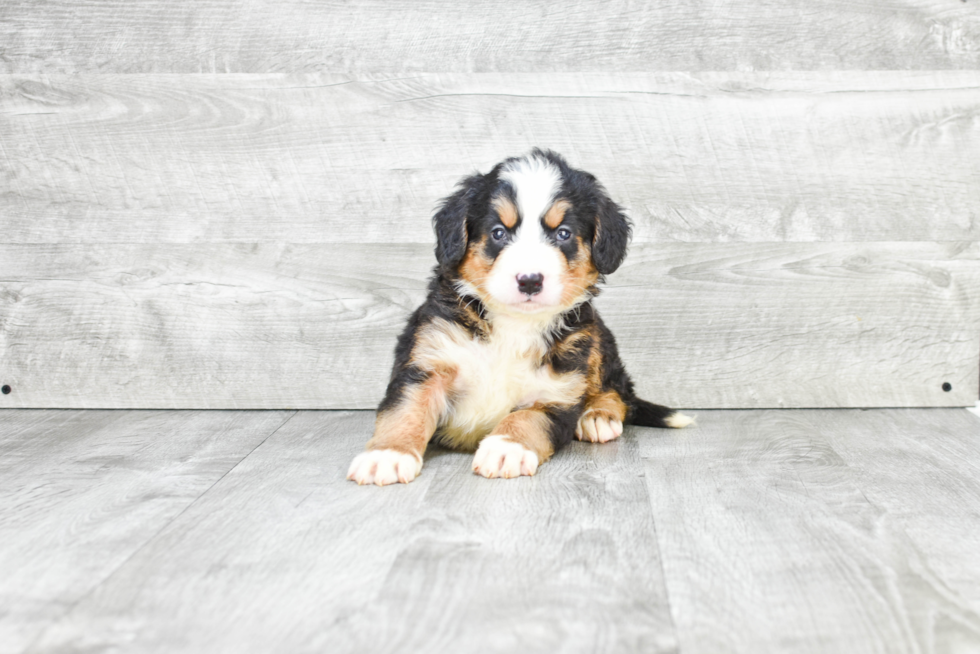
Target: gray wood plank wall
{"x": 304, "y": 326}
{"x": 328, "y": 158}
{"x": 805, "y": 191}
{"x": 225, "y": 36}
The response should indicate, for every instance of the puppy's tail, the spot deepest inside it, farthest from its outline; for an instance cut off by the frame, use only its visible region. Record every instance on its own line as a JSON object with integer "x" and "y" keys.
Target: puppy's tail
{"x": 648, "y": 414}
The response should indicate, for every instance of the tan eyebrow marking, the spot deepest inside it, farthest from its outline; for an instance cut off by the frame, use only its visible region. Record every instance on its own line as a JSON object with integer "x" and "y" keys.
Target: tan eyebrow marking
{"x": 556, "y": 213}
{"x": 506, "y": 210}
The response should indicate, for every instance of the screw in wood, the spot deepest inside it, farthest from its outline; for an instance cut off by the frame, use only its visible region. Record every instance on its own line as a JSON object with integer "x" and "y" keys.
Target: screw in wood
{"x": 5, "y": 389}
{"x": 947, "y": 386}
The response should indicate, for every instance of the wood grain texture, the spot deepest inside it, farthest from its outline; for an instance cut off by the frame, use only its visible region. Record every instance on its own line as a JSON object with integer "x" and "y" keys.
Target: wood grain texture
{"x": 922, "y": 467}
{"x": 800, "y": 325}
{"x": 281, "y": 552}
{"x": 561, "y": 562}
{"x": 286, "y": 555}
{"x": 320, "y": 158}
{"x": 314, "y": 326}
{"x": 396, "y": 37}
{"x": 757, "y": 531}
{"x": 773, "y": 541}
{"x": 82, "y": 492}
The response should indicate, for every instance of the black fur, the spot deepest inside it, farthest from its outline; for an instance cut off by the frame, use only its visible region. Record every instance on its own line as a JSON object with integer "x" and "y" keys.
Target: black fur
{"x": 612, "y": 235}
{"x": 450, "y": 222}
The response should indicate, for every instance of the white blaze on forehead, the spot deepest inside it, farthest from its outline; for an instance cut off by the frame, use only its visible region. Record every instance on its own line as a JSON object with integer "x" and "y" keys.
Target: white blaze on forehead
{"x": 536, "y": 182}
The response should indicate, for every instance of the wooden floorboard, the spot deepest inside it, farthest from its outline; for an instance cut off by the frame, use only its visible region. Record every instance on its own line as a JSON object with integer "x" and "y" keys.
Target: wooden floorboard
{"x": 757, "y": 531}
{"x": 82, "y": 491}
{"x": 922, "y": 467}
{"x": 286, "y": 555}
{"x": 562, "y": 562}
{"x": 282, "y": 550}
{"x": 820, "y": 531}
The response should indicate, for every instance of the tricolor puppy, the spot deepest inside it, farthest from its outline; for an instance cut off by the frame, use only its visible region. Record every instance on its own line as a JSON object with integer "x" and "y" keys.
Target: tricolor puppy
{"x": 507, "y": 355}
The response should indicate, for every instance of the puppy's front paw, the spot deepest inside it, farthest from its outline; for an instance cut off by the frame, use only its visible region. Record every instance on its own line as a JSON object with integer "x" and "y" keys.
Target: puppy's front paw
{"x": 499, "y": 456}
{"x": 596, "y": 427}
{"x": 384, "y": 467}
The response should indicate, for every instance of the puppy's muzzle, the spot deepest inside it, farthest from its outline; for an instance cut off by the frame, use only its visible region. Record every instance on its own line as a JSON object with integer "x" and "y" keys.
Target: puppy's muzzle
{"x": 530, "y": 284}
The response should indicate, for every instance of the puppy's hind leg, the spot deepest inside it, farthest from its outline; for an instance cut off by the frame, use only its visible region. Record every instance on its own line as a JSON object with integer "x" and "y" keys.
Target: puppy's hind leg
{"x": 401, "y": 433}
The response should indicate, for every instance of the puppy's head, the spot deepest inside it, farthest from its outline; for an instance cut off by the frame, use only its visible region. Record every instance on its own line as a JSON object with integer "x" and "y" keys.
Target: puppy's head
{"x": 532, "y": 236}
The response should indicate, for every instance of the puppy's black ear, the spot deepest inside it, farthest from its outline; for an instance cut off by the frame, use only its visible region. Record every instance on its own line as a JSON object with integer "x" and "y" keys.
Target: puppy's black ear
{"x": 612, "y": 234}
{"x": 450, "y": 221}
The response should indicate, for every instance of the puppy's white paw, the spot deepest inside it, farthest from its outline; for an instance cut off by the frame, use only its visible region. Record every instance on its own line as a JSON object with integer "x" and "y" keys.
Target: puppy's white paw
{"x": 499, "y": 456}
{"x": 383, "y": 467}
{"x": 596, "y": 428}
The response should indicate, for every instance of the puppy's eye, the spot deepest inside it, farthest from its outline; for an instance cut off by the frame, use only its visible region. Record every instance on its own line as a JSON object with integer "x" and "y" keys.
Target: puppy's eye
{"x": 563, "y": 234}
{"x": 498, "y": 234}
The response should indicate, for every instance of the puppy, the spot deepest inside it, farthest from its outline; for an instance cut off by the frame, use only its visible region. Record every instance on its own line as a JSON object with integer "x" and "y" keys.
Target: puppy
{"x": 507, "y": 355}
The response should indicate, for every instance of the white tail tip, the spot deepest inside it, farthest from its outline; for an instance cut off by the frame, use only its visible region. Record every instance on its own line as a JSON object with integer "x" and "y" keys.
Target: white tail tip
{"x": 678, "y": 420}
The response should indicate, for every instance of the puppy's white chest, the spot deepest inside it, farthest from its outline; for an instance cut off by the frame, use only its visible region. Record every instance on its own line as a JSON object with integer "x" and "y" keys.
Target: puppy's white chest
{"x": 498, "y": 372}
{"x": 494, "y": 377}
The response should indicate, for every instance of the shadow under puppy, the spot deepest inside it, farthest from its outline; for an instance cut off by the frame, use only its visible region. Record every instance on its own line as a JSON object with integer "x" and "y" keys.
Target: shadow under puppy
{"x": 507, "y": 355}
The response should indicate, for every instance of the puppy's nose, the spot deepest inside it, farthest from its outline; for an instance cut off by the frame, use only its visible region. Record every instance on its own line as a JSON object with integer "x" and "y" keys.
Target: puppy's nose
{"x": 530, "y": 284}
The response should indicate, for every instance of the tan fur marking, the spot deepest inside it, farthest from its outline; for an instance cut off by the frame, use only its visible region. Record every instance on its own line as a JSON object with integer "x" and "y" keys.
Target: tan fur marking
{"x": 609, "y": 405}
{"x": 506, "y": 210}
{"x": 571, "y": 342}
{"x": 529, "y": 427}
{"x": 606, "y": 404}
{"x": 476, "y": 266}
{"x": 580, "y": 276}
{"x": 556, "y": 213}
{"x": 408, "y": 427}
{"x": 594, "y": 376}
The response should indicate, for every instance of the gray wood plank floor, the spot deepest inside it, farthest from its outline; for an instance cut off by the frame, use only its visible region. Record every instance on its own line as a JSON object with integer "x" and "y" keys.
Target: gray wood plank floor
{"x": 789, "y": 531}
